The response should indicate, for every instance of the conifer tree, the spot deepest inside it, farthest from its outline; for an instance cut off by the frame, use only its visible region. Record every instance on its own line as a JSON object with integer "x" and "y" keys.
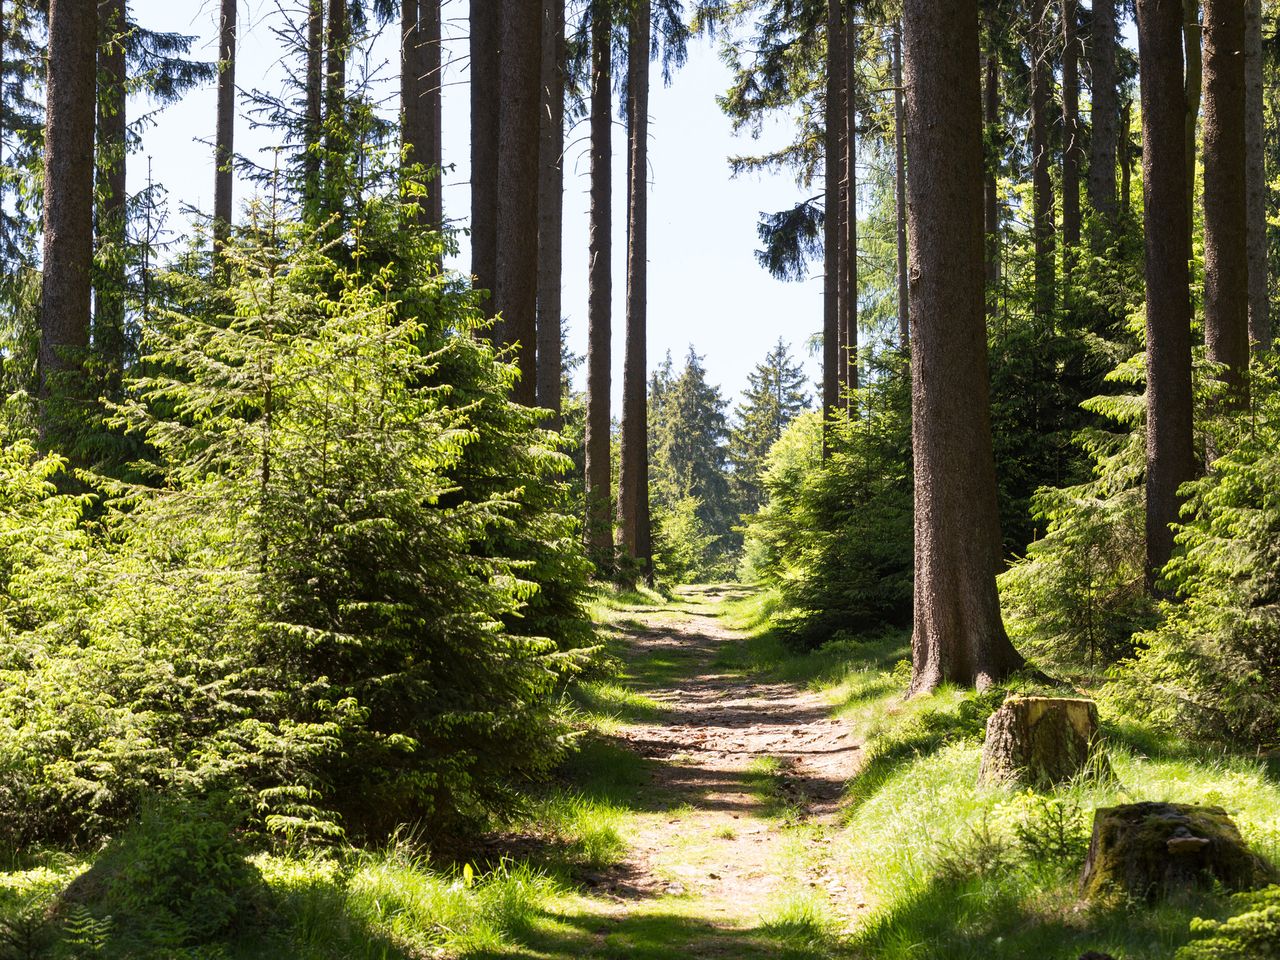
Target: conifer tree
{"x": 776, "y": 394}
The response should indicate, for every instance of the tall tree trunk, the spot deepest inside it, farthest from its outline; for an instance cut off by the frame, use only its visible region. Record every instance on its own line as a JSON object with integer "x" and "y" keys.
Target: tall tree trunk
{"x": 959, "y": 634}
{"x": 991, "y": 180}
{"x": 335, "y": 80}
{"x": 1226, "y": 266}
{"x": 633, "y": 477}
{"x": 1070, "y": 128}
{"x": 1102, "y": 142}
{"x": 68, "y": 202}
{"x": 551, "y": 209}
{"x": 1256, "y": 179}
{"x": 486, "y": 21}
{"x": 835, "y": 120}
{"x": 599, "y": 291}
{"x": 1042, "y": 161}
{"x": 849, "y": 278}
{"x": 113, "y": 130}
{"x": 420, "y": 101}
{"x": 224, "y": 148}
{"x": 1126, "y": 156}
{"x": 1171, "y": 459}
{"x": 900, "y": 190}
{"x": 516, "y": 294}
{"x": 314, "y": 125}
{"x": 1193, "y": 54}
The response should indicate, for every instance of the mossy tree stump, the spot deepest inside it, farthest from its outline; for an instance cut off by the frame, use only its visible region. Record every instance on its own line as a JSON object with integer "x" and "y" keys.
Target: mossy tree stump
{"x": 1151, "y": 851}
{"x": 1041, "y": 741}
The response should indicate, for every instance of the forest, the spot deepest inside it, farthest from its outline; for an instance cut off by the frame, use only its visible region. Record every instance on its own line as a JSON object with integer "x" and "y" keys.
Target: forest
{"x": 345, "y": 613}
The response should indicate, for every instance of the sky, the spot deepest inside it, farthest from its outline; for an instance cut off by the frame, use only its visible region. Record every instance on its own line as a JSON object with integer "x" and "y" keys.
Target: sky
{"x": 705, "y": 287}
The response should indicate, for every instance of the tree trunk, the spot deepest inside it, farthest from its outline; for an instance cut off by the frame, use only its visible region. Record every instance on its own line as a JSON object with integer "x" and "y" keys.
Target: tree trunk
{"x": 1126, "y": 157}
{"x": 633, "y": 477}
{"x": 1193, "y": 80}
{"x": 835, "y": 120}
{"x": 113, "y": 212}
{"x": 314, "y": 124}
{"x": 959, "y": 634}
{"x": 551, "y": 209}
{"x": 420, "y": 101}
{"x": 1171, "y": 459}
{"x": 1070, "y": 128}
{"x": 599, "y": 292}
{"x": 335, "y": 91}
{"x": 224, "y": 148}
{"x": 1102, "y": 142}
{"x": 1226, "y": 267}
{"x": 1042, "y": 162}
{"x": 991, "y": 182}
{"x": 68, "y": 202}
{"x": 1256, "y": 180}
{"x": 900, "y": 190}
{"x": 486, "y": 20}
{"x": 516, "y": 294}
{"x": 849, "y": 279}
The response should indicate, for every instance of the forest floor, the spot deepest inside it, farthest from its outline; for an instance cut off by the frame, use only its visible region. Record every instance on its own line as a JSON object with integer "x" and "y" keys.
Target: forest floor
{"x": 734, "y": 786}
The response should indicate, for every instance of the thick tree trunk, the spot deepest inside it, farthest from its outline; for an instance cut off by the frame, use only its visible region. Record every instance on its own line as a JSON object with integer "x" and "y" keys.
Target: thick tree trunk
{"x": 113, "y": 130}
{"x": 486, "y": 20}
{"x": 1256, "y": 180}
{"x": 1071, "y": 146}
{"x": 516, "y": 294}
{"x": 835, "y": 120}
{"x": 420, "y": 101}
{"x": 335, "y": 85}
{"x": 68, "y": 201}
{"x": 959, "y": 634}
{"x": 1171, "y": 459}
{"x": 551, "y": 209}
{"x": 224, "y": 148}
{"x": 849, "y": 275}
{"x": 633, "y": 477}
{"x": 991, "y": 181}
{"x": 1226, "y": 267}
{"x": 1103, "y": 137}
{"x": 900, "y": 189}
{"x": 599, "y": 292}
{"x": 1192, "y": 50}
{"x": 314, "y": 125}
{"x": 1043, "y": 228}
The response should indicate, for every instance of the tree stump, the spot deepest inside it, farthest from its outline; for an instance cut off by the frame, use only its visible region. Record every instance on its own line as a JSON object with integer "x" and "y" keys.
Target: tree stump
{"x": 1041, "y": 741}
{"x": 1150, "y": 851}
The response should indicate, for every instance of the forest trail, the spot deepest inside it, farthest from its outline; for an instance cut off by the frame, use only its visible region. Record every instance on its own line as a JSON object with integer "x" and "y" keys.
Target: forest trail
{"x": 733, "y": 787}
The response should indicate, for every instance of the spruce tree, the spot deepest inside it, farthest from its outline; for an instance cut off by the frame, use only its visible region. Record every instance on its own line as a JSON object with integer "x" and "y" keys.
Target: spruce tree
{"x": 774, "y": 397}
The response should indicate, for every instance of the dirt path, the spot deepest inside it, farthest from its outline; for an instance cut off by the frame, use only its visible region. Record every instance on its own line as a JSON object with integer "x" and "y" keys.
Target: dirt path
{"x": 754, "y": 771}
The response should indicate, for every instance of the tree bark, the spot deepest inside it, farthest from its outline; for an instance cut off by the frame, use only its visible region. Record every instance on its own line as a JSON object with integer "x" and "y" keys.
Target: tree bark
{"x": 1103, "y": 137}
{"x": 1171, "y": 459}
{"x": 849, "y": 277}
{"x": 900, "y": 189}
{"x": 68, "y": 201}
{"x": 1126, "y": 156}
{"x": 1226, "y": 266}
{"x": 335, "y": 91}
{"x": 1042, "y": 741}
{"x": 486, "y": 20}
{"x": 314, "y": 123}
{"x": 515, "y": 296}
{"x": 113, "y": 131}
{"x": 1070, "y": 128}
{"x": 835, "y": 120}
{"x": 1256, "y": 180}
{"x": 1043, "y": 227}
{"x": 551, "y": 209}
{"x": 224, "y": 147}
{"x": 599, "y": 292}
{"x": 959, "y": 634}
{"x": 633, "y": 477}
{"x": 420, "y": 102}
{"x": 1192, "y": 50}
{"x": 991, "y": 181}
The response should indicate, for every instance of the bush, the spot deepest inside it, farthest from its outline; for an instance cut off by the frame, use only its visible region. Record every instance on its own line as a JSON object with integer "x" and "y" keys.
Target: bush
{"x": 1251, "y": 934}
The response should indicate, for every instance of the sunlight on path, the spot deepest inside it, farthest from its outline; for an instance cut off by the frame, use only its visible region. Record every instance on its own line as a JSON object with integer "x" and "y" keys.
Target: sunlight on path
{"x": 730, "y": 855}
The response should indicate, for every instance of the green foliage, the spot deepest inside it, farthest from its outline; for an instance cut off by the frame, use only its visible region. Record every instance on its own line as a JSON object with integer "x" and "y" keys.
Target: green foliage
{"x": 836, "y": 535}
{"x": 1253, "y": 933}
{"x": 774, "y": 397}
{"x": 1211, "y": 666}
{"x": 683, "y": 550}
